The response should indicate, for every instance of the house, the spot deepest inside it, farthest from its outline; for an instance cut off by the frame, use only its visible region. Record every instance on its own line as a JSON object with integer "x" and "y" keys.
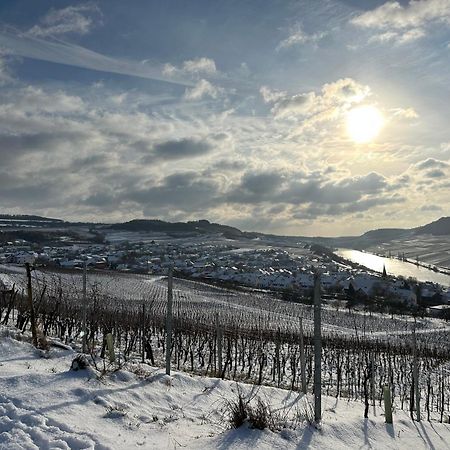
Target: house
{"x": 25, "y": 257}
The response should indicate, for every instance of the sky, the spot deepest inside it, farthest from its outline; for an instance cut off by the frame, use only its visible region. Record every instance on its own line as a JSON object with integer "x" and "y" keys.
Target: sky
{"x": 236, "y": 112}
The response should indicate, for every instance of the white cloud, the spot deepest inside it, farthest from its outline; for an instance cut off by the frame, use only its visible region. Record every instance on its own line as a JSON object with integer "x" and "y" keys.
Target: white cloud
{"x": 399, "y": 37}
{"x": 404, "y": 23}
{"x": 77, "y": 19}
{"x": 202, "y": 89}
{"x": 406, "y": 113}
{"x": 5, "y": 76}
{"x": 58, "y": 51}
{"x": 32, "y": 99}
{"x": 270, "y": 96}
{"x": 169, "y": 70}
{"x": 200, "y": 65}
{"x": 297, "y": 36}
{"x": 88, "y": 158}
{"x": 333, "y": 99}
{"x": 414, "y": 14}
{"x": 197, "y": 66}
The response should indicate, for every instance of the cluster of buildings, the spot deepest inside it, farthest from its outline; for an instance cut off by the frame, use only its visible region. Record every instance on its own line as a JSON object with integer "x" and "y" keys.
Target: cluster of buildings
{"x": 222, "y": 261}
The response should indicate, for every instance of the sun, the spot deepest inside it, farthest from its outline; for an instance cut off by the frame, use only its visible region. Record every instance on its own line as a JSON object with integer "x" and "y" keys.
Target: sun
{"x": 364, "y": 123}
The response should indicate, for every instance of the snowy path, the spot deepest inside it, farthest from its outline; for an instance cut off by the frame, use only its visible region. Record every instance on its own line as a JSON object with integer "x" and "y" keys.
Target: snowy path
{"x": 22, "y": 428}
{"x": 44, "y": 405}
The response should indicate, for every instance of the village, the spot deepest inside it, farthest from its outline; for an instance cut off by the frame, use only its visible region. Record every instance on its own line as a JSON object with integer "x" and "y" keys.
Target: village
{"x": 232, "y": 264}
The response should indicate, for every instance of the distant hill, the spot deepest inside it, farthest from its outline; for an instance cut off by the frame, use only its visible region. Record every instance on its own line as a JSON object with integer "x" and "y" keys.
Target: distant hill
{"x": 437, "y": 228}
{"x": 440, "y": 227}
{"x": 386, "y": 233}
{"x": 191, "y": 228}
{"x": 26, "y": 218}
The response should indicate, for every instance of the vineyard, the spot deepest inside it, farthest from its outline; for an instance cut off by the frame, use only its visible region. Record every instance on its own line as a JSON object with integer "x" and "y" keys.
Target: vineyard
{"x": 246, "y": 336}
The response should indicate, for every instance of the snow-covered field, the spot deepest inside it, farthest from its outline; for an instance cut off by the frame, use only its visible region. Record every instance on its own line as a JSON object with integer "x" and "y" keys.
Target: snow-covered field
{"x": 45, "y": 405}
{"x": 429, "y": 249}
{"x": 192, "y": 297}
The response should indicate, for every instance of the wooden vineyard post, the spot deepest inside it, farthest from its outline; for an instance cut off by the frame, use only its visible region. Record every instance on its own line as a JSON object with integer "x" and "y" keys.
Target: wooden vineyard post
{"x": 277, "y": 367}
{"x": 30, "y": 305}
{"x": 110, "y": 345}
{"x": 84, "y": 341}
{"x": 387, "y": 404}
{"x": 143, "y": 333}
{"x": 416, "y": 374}
{"x": 372, "y": 380}
{"x": 302, "y": 358}
{"x": 317, "y": 350}
{"x": 169, "y": 320}
{"x": 219, "y": 338}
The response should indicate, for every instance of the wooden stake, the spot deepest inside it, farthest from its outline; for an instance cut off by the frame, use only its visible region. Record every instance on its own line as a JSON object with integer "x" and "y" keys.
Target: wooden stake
{"x": 169, "y": 320}
{"x": 110, "y": 345}
{"x": 30, "y": 305}
{"x": 219, "y": 338}
{"x": 317, "y": 350}
{"x": 302, "y": 358}
{"x": 84, "y": 308}
{"x": 387, "y": 404}
{"x": 416, "y": 373}
{"x": 143, "y": 333}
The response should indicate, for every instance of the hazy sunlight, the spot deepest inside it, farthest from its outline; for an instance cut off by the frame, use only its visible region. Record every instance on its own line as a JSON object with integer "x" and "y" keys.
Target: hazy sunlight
{"x": 364, "y": 123}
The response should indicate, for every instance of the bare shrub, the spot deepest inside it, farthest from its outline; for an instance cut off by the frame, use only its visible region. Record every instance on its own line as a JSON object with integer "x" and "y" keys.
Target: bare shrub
{"x": 260, "y": 416}
{"x": 80, "y": 362}
{"x": 305, "y": 413}
{"x": 238, "y": 410}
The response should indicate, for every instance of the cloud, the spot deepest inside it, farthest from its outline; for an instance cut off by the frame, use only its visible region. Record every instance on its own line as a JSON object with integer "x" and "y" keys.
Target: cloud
{"x": 312, "y": 191}
{"x": 270, "y": 96}
{"x": 26, "y": 45}
{"x": 32, "y": 99}
{"x": 430, "y": 173}
{"x": 255, "y": 187}
{"x": 185, "y": 191}
{"x": 297, "y": 36}
{"x": 197, "y": 66}
{"x": 333, "y": 99}
{"x": 404, "y": 23}
{"x": 299, "y": 104}
{"x": 405, "y": 113}
{"x": 202, "y": 89}
{"x": 414, "y": 14}
{"x": 314, "y": 211}
{"x": 399, "y": 37}
{"x": 183, "y": 148}
{"x": 435, "y": 173}
{"x": 27, "y": 192}
{"x": 430, "y": 207}
{"x": 77, "y": 19}
{"x": 5, "y": 75}
{"x": 13, "y": 146}
{"x": 80, "y": 154}
{"x": 200, "y": 65}
{"x": 432, "y": 163}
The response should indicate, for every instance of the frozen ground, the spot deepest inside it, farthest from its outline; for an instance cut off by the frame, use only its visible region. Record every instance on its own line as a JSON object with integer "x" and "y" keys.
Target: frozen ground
{"x": 44, "y": 405}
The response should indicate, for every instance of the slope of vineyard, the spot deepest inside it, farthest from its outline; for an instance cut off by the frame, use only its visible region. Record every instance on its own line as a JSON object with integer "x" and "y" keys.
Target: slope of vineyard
{"x": 198, "y": 301}
{"x": 45, "y": 405}
{"x": 260, "y": 337}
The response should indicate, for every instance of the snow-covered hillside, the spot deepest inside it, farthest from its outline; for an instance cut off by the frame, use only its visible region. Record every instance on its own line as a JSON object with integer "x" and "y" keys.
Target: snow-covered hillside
{"x": 45, "y": 405}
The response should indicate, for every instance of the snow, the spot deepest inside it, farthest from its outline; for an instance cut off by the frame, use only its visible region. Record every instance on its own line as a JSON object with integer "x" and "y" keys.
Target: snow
{"x": 45, "y": 405}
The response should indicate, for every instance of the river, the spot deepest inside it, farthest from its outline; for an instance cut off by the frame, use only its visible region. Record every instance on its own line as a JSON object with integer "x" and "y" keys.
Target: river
{"x": 393, "y": 266}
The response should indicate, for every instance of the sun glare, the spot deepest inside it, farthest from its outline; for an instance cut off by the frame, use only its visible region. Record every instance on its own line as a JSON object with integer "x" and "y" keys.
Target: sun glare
{"x": 364, "y": 123}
